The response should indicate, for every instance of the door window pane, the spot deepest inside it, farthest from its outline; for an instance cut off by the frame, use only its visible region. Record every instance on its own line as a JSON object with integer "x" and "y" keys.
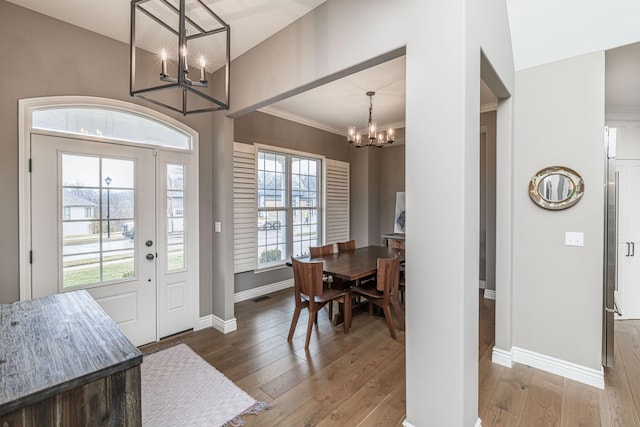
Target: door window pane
{"x": 111, "y": 124}
{"x": 98, "y": 211}
{"x": 175, "y": 217}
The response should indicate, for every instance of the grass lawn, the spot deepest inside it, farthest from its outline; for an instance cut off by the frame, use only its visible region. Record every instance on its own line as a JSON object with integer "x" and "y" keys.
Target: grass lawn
{"x": 111, "y": 270}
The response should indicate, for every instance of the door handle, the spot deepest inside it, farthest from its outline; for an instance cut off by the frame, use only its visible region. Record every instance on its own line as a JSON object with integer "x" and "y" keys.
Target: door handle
{"x": 633, "y": 248}
{"x": 615, "y": 309}
{"x": 628, "y": 248}
{"x": 150, "y": 257}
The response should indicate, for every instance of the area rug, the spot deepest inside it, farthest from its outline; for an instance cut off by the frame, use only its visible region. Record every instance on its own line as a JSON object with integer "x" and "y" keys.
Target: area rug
{"x": 179, "y": 388}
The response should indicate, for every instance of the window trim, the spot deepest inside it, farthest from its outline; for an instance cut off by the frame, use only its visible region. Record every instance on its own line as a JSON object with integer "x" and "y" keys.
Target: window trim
{"x": 288, "y": 208}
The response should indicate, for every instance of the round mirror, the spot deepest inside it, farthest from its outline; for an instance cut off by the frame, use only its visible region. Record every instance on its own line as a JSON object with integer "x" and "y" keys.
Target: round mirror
{"x": 556, "y": 188}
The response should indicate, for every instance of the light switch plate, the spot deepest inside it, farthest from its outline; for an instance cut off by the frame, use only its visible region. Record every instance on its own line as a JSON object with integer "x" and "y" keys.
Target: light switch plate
{"x": 218, "y": 227}
{"x": 574, "y": 238}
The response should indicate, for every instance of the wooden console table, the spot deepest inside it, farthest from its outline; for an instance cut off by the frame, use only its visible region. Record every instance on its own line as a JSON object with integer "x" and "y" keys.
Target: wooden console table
{"x": 63, "y": 361}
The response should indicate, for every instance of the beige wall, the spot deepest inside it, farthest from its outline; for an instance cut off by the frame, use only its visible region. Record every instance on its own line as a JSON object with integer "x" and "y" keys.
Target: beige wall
{"x": 49, "y": 57}
{"x": 557, "y": 299}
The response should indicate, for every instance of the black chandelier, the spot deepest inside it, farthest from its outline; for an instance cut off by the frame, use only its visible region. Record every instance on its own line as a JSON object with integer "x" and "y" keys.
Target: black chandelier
{"x": 179, "y": 35}
{"x": 376, "y": 139}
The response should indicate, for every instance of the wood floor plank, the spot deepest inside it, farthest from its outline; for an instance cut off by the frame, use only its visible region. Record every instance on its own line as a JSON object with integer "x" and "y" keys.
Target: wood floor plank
{"x": 512, "y": 390}
{"x": 489, "y": 375}
{"x": 543, "y": 406}
{"x": 321, "y": 353}
{"x": 367, "y": 398}
{"x": 358, "y": 348}
{"x": 497, "y": 417}
{"x": 389, "y": 412}
{"x": 580, "y": 405}
{"x": 615, "y": 401}
{"x": 629, "y": 345}
{"x": 352, "y": 373}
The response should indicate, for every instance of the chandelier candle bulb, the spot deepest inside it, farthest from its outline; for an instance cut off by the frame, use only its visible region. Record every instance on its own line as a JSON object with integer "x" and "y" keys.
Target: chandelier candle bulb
{"x": 373, "y": 134}
{"x": 203, "y": 63}
{"x": 351, "y": 133}
{"x": 163, "y": 56}
{"x": 184, "y": 56}
{"x": 391, "y": 135}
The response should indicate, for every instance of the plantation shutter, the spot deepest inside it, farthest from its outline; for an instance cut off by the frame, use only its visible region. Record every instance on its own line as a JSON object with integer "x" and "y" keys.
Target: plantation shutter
{"x": 337, "y": 201}
{"x": 244, "y": 208}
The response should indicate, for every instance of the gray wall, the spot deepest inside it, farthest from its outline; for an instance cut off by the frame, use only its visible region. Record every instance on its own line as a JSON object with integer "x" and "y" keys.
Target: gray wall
{"x": 392, "y": 173}
{"x": 266, "y": 129}
{"x": 557, "y": 299}
{"x": 49, "y": 57}
{"x": 488, "y": 201}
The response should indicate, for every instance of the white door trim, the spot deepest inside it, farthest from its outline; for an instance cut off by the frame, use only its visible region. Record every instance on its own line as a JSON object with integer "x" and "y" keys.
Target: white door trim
{"x": 25, "y": 129}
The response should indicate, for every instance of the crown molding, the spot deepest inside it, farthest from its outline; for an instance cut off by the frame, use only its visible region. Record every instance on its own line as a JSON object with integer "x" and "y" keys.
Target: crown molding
{"x": 316, "y": 124}
{"x": 302, "y": 120}
{"x": 492, "y": 106}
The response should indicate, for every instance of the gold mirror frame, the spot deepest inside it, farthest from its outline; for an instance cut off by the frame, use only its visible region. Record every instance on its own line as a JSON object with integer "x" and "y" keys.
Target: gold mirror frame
{"x": 570, "y": 200}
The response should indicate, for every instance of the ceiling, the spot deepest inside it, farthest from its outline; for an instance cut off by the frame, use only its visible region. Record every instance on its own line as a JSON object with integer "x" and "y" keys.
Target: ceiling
{"x": 541, "y": 31}
{"x": 544, "y": 31}
{"x": 622, "y": 90}
{"x": 252, "y": 21}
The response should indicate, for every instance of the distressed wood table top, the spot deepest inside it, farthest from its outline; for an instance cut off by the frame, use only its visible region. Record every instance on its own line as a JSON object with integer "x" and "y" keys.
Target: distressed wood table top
{"x": 54, "y": 344}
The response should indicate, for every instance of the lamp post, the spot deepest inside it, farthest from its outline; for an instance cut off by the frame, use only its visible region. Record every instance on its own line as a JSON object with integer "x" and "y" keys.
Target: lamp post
{"x": 108, "y": 180}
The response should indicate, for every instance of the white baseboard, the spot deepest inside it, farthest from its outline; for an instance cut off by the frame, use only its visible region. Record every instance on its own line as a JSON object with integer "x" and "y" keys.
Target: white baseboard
{"x": 573, "y": 371}
{"x": 406, "y": 423}
{"x": 490, "y": 294}
{"x": 224, "y": 326}
{"x": 204, "y": 322}
{"x": 483, "y": 284}
{"x": 589, "y": 376}
{"x": 501, "y": 357}
{"x": 262, "y": 290}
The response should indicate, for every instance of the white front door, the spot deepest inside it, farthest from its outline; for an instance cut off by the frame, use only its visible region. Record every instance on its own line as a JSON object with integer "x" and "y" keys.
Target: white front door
{"x": 93, "y": 216}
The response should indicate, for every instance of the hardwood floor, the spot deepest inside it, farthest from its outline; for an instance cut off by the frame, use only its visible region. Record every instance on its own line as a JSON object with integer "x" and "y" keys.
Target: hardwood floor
{"x": 524, "y": 396}
{"x": 359, "y": 379}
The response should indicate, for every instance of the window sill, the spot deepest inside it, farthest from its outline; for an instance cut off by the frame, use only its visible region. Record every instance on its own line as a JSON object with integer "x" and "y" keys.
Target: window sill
{"x": 270, "y": 268}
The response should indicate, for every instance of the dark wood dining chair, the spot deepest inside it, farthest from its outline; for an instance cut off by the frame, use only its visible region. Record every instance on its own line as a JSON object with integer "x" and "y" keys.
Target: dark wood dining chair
{"x": 401, "y": 283}
{"x": 316, "y": 251}
{"x": 347, "y": 246}
{"x": 384, "y": 292}
{"x": 311, "y": 293}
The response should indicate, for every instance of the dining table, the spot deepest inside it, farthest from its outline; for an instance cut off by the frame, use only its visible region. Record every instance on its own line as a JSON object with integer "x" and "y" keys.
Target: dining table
{"x": 352, "y": 266}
